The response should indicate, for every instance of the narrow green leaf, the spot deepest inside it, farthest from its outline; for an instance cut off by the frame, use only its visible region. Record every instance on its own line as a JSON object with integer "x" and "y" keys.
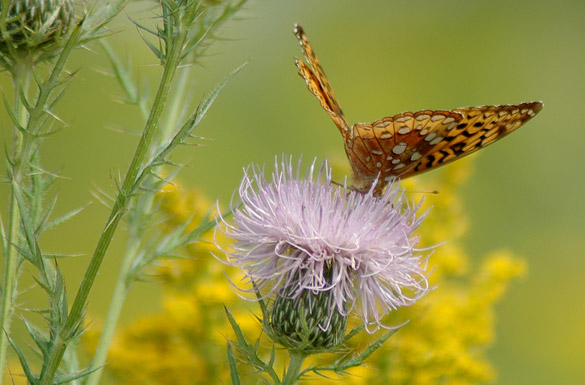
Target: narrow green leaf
{"x": 10, "y": 162}
{"x": 54, "y": 223}
{"x": 236, "y": 328}
{"x": 43, "y": 284}
{"x": 263, "y": 306}
{"x": 61, "y": 292}
{"x": 233, "y": 367}
{"x": 256, "y": 344}
{"x": 101, "y": 14}
{"x": 24, "y": 100}
{"x": 360, "y": 358}
{"x": 12, "y": 116}
{"x": 210, "y": 98}
{"x": 53, "y": 79}
{"x": 25, "y": 254}
{"x": 23, "y": 363}
{"x": 123, "y": 74}
{"x": 207, "y": 31}
{"x": 56, "y": 256}
{"x": 38, "y": 81}
{"x": 38, "y": 336}
{"x": 28, "y": 228}
{"x": 272, "y": 356}
{"x": 46, "y": 214}
{"x": 195, "y": 42}
{"x": 145, "y": 29}
{"x": 352, "y": 333}
{"x": 156, "y": 51}
{"x": 186, "y": 129}
{"x": 64, "y": 86}
{"x": 67, "y": 378}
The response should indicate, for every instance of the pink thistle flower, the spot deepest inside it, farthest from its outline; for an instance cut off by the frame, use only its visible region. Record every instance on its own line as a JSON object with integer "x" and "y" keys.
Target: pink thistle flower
{"x": 296, "y": 235}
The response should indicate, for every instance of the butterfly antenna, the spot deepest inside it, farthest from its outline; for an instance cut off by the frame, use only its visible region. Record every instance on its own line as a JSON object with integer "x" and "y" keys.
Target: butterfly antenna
{"x": 408, "y": 191}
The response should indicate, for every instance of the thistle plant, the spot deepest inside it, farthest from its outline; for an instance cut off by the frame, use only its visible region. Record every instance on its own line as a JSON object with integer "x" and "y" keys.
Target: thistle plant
{"x": 31, "y": 31}
{"x": 37, "y": 38}
{"x": 314, "y": 253}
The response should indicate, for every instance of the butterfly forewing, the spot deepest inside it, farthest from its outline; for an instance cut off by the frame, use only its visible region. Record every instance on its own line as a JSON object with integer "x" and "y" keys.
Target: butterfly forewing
{"x": 410, "y": 143}
{"x": 318, "y": 84}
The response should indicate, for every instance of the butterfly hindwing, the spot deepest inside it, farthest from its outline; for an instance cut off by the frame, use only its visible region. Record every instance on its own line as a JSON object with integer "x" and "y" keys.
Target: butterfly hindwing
{"x": 393, "y": 145}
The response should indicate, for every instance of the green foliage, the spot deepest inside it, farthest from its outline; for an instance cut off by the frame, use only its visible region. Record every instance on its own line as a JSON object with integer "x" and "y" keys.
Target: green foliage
{"x": 251, "y": 356}
{"x": 343, "y": 363}
{"x": 186, "y": 31}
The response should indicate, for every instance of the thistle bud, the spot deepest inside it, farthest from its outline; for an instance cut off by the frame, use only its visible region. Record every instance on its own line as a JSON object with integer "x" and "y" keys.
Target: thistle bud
{"x": 35, "y": 27}
{"x": 309, "y": 322}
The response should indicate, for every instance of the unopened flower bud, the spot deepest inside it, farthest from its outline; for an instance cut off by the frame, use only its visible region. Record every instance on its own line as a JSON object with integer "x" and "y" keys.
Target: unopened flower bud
{"x": 307, "y": 322}
{"x": 35, "y": 27}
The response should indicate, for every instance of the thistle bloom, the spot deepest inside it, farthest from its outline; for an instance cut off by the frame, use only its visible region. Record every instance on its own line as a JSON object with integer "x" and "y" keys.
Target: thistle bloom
{"x": 310, "y": 241}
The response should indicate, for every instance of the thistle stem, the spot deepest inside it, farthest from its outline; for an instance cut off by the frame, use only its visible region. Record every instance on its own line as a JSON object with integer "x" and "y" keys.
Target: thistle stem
{"x": 21, "y": 79}
{"x": 144, "y": 207}
{"x": 294, "y": 368}
{"x": 130, "y": 184}
{"x": 123, "y": 284}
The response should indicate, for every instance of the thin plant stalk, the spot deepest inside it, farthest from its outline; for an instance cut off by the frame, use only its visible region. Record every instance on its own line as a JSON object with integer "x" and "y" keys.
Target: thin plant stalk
{"x": 21, "y": 80}
{"x": 129, "y": 186}
{"x": 121, "y": 290}
{"x": 177, "y": 101}
{"x": 23, "y": 148}
{"x": 125, "y": 278}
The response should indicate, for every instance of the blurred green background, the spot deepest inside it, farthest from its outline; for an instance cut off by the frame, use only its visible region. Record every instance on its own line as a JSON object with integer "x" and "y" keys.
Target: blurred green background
{"x": 381, "y": 57}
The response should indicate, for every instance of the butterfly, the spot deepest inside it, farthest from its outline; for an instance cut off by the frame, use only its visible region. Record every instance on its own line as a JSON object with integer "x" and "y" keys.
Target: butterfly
{"x": 409, "y": 143}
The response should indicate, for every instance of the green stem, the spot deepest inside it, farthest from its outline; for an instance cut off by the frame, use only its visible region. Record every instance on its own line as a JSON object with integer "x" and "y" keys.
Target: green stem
{"x": 71, "y": 362}
{"x": 126, "y": 191}
{"x": 21, "y": 80}
{"x": 294, "y": 368}
{"x": 177, "y": 102}
{"x": 144, "y": 207}
{"x": 114, "y": 310}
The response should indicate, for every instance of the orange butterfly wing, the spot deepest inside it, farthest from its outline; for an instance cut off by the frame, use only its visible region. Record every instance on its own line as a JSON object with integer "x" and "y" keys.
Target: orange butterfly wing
{"x": 318, "y": 84}
{"x": 410, "y": 143}
{"x": 479, "y": 127}
{"x": 391, "y": 146}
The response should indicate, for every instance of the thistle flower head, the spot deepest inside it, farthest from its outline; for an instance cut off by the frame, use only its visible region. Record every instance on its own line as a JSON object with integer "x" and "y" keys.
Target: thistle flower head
{"x": 300, "y": 239}
{"x": 34, "y": 26}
